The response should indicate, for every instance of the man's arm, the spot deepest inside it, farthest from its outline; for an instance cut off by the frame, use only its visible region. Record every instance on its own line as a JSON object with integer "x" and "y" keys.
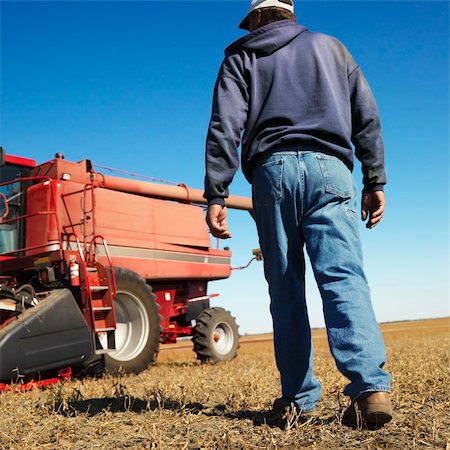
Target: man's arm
{"x": 369, "y": 149}
{"x": 229, "y": 114}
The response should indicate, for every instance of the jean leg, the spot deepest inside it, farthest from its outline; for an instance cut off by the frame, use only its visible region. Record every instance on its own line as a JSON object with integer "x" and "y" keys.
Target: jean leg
{"x": 331, "y": 232}
{"x": 275, "y": 194}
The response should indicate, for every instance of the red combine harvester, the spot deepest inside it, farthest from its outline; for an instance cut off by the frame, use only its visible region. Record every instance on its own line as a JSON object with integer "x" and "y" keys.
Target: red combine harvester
{"x": 96, "y": 271}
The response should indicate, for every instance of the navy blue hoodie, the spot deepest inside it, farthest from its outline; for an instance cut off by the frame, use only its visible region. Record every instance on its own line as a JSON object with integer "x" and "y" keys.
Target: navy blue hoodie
{"x": 289, "y": 88}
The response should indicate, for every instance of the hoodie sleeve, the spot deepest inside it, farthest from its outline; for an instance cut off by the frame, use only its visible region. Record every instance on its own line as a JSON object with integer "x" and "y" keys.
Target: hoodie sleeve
{"x": 229, "y": 114}
{"x": 366, "y": 131}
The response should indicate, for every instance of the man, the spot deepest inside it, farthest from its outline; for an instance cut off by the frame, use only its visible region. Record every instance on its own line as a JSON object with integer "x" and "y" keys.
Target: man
{"x": 301, "y": 102}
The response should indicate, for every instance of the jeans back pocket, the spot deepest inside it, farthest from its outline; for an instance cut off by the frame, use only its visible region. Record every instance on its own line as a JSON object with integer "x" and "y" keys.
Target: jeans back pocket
{"x": 337, "y": 177}
{"x": 267, "y": 182}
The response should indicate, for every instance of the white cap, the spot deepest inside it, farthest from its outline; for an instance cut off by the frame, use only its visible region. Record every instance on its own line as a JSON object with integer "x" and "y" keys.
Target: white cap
{"x": 258, "y": 4}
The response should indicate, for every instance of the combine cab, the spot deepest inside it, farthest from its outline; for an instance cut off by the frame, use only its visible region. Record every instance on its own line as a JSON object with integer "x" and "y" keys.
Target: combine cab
{"x": 96, "y": 271}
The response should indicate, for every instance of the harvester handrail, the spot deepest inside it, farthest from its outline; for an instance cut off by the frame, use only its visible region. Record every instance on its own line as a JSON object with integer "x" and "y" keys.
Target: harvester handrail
{"x": 5, "y": 200}
{"x": 26, "y": 249}
{"x": 68, "y": 235}
{"x": 108, "y": 257}
{"x": 21, "y": 179}
{"x": 25, "y": 216}
{"x": 136, "y": 175}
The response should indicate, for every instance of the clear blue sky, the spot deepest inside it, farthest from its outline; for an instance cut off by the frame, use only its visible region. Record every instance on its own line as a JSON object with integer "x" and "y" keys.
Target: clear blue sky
{"x": 129, "y": 84}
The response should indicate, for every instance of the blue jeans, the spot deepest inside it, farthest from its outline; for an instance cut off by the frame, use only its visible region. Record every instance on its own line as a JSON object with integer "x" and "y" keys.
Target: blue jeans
{"x": 309, "y": 198}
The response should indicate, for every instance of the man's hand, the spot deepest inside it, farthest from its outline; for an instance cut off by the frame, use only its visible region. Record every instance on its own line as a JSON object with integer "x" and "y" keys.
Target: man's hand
{"x": 216, "y": 218}
{"x": 372, "y": 205}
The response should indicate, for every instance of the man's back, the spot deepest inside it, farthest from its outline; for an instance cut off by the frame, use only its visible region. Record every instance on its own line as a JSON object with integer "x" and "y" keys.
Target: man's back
{"x": 295, "y": 88}
{"x": 299, "y": 93}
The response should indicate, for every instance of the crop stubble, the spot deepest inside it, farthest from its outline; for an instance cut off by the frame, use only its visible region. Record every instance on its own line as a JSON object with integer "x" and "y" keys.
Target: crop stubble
{"x": 182, "y": 404}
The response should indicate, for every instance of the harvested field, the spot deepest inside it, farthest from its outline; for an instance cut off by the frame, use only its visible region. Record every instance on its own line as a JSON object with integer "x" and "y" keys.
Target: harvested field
{"x": 182, "y": 404}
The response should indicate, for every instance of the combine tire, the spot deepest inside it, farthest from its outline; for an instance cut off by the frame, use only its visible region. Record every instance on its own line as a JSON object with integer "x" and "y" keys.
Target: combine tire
{"x": 215, "y": 336}
{"x": 138, "y": 324}
{"x": 93, "y": 366}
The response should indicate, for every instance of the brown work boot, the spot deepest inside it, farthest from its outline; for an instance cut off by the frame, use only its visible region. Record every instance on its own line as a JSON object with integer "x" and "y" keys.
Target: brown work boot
{"x": 373, "y": 409}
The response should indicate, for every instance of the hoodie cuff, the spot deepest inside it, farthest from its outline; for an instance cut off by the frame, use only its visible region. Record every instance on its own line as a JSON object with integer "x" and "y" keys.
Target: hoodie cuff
{"x": 373, "y": 188}
{"x": 216, "y": 201}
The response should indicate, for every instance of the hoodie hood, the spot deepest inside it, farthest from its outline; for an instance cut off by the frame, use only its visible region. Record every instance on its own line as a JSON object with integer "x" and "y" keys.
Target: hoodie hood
{"x": 267, "y": 39}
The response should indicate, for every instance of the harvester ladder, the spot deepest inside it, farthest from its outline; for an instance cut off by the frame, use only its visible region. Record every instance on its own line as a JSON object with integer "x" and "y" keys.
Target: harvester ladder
{"x": 88, "y": 214}
{"x": 98, "y": 288}
{"x": 101, "y": 290}
{"x": 100, "y": 298}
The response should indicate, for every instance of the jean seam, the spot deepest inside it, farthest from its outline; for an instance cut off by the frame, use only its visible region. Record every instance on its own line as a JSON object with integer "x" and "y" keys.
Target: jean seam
{"x": 280, "y": 185}
{"x": 277, "y": 193}
{"x": 350, "y": 212}
{"x": 302, "y": 183}
{"x": 270, "y": 163}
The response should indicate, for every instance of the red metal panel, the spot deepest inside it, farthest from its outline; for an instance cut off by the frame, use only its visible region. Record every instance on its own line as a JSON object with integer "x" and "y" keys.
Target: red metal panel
{"x": 144, "y": 267}
{"x": 41, "y": 228}
{"x": 177, "y": 223}
{"x": 165, "y": 299}
{"x": 134, "y": 221}
{"x": 171, "y": 270}
{"x": 57, "y": 167}
{"x": 19, "y": 161}
{"x": 186, "y": 271}
{"x": 124, "y": 219}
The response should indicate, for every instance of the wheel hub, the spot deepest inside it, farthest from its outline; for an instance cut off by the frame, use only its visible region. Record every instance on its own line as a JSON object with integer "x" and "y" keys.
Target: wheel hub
{"x": 132, "y": 326}
{"x": 223, "y": 338}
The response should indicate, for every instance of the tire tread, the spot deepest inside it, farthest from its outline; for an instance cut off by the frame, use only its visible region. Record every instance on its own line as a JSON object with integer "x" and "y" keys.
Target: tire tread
{"x": 202, "y": 331}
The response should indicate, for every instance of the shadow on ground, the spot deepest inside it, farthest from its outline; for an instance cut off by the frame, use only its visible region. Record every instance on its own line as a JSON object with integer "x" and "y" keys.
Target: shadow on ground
{"x": 120, "y": 404}
{"x": 125, "y": 403}
{"x": 273, "y": 420}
